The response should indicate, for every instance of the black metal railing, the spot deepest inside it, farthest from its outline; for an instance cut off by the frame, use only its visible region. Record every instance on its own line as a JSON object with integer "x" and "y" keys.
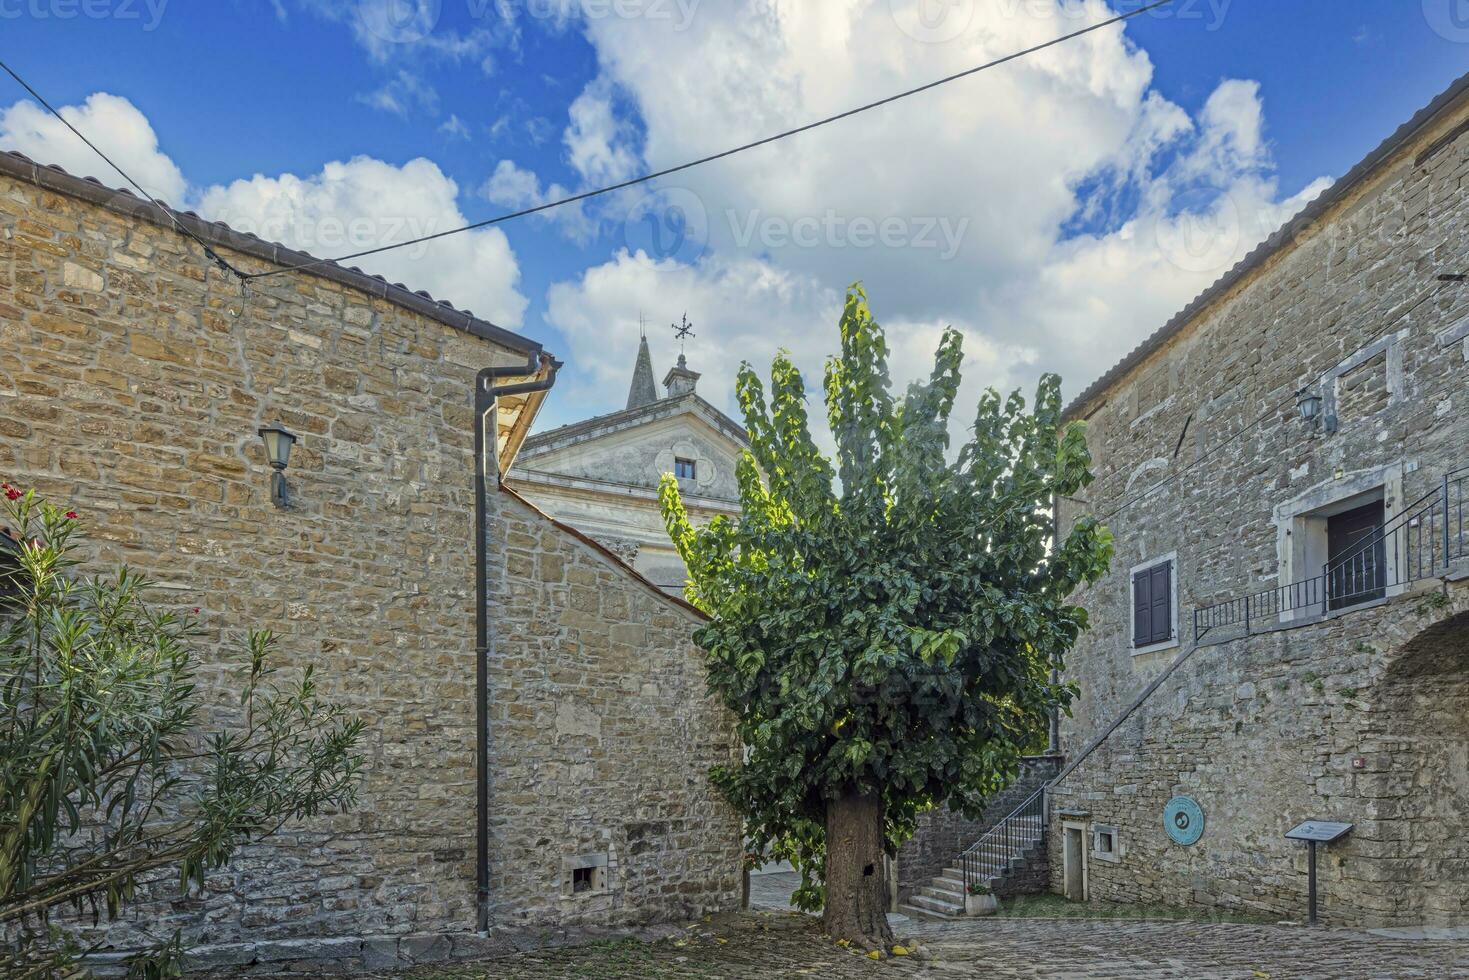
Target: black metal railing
{"x": 1419, "y": 542}
{"x": 1005, "y": 842}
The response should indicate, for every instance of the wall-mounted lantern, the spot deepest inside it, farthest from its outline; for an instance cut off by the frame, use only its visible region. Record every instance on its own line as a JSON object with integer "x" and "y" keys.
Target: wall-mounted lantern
{"x": 1309, "y": 405}
{"x": 278, "y": 443}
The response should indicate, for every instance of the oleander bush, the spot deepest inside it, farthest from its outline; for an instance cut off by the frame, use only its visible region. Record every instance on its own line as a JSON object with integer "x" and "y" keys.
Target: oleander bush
{"x": 110, "y": 778}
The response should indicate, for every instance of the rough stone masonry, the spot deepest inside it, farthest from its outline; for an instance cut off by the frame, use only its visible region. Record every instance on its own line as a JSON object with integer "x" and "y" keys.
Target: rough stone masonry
{"x": 1356, "y": 713}
{"x": 133, "y": 378}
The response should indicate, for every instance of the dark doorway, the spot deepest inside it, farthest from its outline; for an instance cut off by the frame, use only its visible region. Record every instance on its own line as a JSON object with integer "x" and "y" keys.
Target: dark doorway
{"x": 1356, "y": 556}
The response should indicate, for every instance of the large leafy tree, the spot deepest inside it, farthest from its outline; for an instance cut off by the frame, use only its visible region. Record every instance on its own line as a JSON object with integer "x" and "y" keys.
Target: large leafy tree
{"x": 885, "y": 628}
{"x": 108, "y": 777}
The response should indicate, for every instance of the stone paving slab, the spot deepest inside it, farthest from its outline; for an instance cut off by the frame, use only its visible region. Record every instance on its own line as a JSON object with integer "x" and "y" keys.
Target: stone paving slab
{"x": 783, "y": 945}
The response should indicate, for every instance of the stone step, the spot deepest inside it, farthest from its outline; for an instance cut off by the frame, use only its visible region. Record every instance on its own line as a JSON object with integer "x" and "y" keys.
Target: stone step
{"x": 914, "y": 912}
{"x": 984, "y": 871}
{"x": 950, "y": 892}
{"x": 936, "y": 905}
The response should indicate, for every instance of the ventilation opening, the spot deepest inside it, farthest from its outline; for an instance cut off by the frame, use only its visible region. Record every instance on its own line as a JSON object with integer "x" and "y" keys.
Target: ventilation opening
{"x": 585, "y": 874}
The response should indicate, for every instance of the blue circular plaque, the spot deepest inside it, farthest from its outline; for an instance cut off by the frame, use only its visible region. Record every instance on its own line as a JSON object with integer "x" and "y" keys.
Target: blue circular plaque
{"x": 1184, "y": 820}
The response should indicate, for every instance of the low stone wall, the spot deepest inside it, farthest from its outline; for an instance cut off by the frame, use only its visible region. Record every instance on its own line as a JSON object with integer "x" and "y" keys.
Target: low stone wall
{"x": 943, "y": 833}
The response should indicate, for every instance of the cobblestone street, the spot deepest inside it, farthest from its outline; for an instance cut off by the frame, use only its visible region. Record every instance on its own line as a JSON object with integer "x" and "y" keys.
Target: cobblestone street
{"x": 780, "y": 944}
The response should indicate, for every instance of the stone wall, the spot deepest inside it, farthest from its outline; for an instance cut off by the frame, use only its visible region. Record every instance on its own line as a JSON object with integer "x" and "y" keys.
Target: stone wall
{"x": 942, "y": 833}
{"x": 602, "y": 734}
{"x": 133, "y": 378}
{"x": 1327, "y": 722}
{"x": 1268, "y": 728}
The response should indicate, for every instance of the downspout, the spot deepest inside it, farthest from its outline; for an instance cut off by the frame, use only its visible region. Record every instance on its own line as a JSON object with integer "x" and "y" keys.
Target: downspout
{"x": 1053, "y": 746}
{"x": 485, "y": 396}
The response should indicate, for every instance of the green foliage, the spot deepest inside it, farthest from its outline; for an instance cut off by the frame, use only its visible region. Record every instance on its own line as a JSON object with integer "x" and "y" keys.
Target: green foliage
{"x": 889, "y": 622}
{"x": 106, "y": 779}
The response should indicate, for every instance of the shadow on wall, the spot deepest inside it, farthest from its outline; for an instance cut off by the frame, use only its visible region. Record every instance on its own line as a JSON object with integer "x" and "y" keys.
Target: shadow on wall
{"x": 1420, "y": 776}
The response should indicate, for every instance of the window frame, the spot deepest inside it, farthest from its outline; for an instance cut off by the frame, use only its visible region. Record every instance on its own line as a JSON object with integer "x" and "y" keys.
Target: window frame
{"x": 693, "y": 467}
{"x": 1172, "y": 640}
{"x": 1112, "y": 856}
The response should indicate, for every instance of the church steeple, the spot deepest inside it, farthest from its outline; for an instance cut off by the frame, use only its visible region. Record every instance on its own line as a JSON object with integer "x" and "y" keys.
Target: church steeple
{"x": 644, "y": 390}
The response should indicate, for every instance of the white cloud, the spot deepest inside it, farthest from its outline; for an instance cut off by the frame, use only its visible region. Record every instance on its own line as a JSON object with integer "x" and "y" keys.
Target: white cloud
{"x": 365, "y": 203}
{"x": 1091, "y": 206}
{"x": 598, "y": 142}
{"x": 516, "y": 189}
{"x": 112, "y": 123}
{"x": 395, "y": 29}
{"x": 742, "y": 309}
{"x": 455, "y": 128}
{"x": 349, "y": 206}
{"x": 402, "y": 95}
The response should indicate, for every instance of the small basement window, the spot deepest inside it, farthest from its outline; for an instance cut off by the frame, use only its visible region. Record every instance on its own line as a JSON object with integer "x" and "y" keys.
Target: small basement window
{"x": 585, "y": 874}
{"x": 1104, "y": 843}
{"x": 685, "y": 469}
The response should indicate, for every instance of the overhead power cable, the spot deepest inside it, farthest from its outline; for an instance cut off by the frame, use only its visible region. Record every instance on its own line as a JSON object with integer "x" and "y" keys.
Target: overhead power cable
{"x": 209, "y": 253}
{"x": 654, "y": 175}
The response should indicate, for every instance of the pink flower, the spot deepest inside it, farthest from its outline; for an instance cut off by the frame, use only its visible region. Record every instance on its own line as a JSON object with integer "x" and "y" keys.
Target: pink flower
{"x": 196, "y": 610}
{"x": 71, "y": 515}
{"x": 10, "y": 492}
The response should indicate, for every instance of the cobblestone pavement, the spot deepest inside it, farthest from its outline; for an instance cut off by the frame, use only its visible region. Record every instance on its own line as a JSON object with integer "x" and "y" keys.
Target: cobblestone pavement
{"x": 780, "y": 944}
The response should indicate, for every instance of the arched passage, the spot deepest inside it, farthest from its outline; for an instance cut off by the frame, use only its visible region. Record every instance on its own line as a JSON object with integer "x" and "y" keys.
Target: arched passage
{"x": 1420, "y": 779}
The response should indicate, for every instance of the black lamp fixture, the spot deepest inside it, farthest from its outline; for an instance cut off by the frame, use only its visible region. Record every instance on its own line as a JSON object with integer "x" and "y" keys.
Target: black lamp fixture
{"x": 1308, "y": 403}
{"x": 278, "y": 443}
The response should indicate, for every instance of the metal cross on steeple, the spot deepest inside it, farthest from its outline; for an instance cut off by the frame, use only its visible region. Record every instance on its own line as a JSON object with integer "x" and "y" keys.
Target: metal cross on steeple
{"x": 683, "y": 331}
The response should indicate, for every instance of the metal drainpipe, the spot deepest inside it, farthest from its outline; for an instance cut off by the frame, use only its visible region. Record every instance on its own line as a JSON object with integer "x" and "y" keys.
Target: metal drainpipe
{"x": 1054, "y": 734}
{"x": 485, "y": 395}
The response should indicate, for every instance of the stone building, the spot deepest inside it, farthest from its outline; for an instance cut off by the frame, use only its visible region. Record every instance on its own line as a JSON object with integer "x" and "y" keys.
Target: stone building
{"x": 1284, "y": 634}
{"x": 601, "y": 476}
{"x": 134, "y": 375}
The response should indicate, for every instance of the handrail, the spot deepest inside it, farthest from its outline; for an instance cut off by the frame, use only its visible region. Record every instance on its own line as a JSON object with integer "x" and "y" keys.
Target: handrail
{"x": 1005, "y": 839}
{"x": 1425, "y": 536}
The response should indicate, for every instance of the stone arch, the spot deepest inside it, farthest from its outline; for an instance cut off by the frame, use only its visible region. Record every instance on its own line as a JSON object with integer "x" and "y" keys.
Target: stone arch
{"x": 1419, "y": 780}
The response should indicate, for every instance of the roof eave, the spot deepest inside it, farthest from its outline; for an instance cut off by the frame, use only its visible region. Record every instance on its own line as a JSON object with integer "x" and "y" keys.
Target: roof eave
{"x": 53, "y": 178}
{"x": 1289, "y": 233}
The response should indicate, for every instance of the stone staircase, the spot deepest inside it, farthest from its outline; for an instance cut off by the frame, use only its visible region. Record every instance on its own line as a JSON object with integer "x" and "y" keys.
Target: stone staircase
{"x": 1008, "y": 859}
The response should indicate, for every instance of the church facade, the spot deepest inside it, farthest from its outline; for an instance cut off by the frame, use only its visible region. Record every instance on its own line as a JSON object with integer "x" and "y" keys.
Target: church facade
{"x": 601, "y": 475}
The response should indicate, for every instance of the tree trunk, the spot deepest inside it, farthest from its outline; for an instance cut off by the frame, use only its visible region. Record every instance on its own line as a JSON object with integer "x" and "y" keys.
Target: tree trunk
{"x": 856, "y": 890}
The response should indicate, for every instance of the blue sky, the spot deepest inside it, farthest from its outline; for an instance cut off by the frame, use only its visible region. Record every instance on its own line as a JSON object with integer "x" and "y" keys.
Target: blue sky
{"x": 1038, "y": 207}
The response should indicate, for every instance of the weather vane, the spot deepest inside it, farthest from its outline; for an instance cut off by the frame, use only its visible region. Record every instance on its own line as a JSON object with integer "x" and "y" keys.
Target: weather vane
{"x": 683, "y": 331}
